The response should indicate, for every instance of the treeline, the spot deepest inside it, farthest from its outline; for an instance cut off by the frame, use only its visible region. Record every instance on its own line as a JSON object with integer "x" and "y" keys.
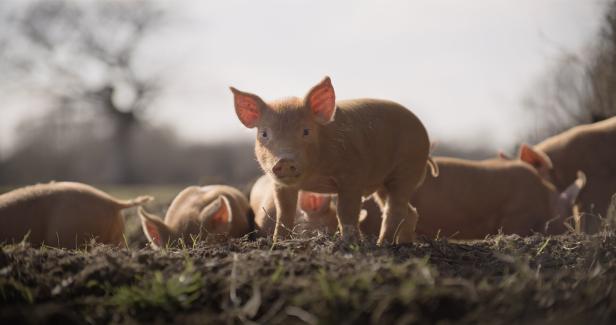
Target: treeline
{"x": 83, "y": 152}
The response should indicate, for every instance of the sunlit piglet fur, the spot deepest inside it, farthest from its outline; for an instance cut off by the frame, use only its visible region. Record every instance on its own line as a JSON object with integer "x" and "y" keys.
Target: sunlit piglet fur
{"x": 351, "y": 148}
{"x": 63, "y": 214}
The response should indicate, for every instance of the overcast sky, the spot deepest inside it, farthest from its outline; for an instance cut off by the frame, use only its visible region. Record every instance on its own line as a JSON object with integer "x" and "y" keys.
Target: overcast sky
{"x": 463, "y": 67}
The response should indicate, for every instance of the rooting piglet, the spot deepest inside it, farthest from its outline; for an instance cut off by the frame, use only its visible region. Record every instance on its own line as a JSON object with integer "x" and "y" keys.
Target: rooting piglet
{"x": 472, "y": 199}
{"x": 591, "y": 148}
{"x": 209, "y": 213}
{"x": 63, "y": 214}
{"x": 315, "y": 211}
{"x": 351, "y": 148}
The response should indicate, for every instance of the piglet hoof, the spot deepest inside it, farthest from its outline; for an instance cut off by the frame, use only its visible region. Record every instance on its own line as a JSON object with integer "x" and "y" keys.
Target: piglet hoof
{"x": 405, "y": 238}
{"x": 386, "y": 237}
{"x": 405, "y": 233}
{"x": 402, "y": 233}
{"x": 350, "y": 233}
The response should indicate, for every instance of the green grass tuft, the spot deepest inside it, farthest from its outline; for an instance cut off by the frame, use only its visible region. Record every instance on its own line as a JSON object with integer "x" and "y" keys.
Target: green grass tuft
{"x": 178, "y": 291}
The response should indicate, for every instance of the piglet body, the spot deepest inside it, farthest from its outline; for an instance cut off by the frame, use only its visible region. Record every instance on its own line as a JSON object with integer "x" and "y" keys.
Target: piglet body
{"x": 350, "y": 148}
{"x": 63, "y": 214}
{"x": 472, "y": 199}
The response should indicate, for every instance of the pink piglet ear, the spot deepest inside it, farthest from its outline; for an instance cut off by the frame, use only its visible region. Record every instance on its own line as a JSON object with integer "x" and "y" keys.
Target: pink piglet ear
{"x": 217, "y": 216}
{"x": 322, "y": 101}
{"x": 154, "y": 228}
{"x": 247, "y": 107}
{"x": 535, "y": 158}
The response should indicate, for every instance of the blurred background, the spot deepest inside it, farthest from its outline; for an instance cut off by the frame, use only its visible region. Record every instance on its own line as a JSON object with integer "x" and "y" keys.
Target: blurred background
{"x": 136, "y": 92}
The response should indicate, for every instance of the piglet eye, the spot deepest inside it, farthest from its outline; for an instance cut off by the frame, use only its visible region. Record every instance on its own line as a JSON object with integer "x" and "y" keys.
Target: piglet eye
{"x": 306, "y": 132}
{"x": 264, "y": 133}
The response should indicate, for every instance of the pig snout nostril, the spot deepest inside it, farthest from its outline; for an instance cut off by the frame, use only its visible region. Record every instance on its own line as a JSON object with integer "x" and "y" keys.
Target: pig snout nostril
{"x": 285, "y": 168}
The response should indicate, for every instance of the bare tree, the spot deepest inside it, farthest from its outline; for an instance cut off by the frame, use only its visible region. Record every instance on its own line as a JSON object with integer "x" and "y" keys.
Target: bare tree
{"x": 83, "y": 55}
{"x": 557, "y": 101}
{"x": 578, "y": 89}
{"x": 601, "y": 100}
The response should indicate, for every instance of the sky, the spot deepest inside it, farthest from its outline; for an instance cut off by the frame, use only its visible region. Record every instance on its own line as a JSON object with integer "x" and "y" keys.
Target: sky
{"x": 464, "y": 67}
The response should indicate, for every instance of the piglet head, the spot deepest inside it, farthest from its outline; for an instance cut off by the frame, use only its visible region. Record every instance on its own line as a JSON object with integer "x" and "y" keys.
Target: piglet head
{"x": 541, "y": 162}
{"x": 288, "y": 130}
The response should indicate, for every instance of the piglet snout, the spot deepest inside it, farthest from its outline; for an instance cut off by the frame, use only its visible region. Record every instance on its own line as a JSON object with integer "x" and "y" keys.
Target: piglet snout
{"x": 286, "y": 168}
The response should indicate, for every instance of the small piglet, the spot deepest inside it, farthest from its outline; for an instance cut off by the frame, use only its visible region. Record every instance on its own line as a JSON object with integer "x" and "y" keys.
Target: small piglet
{"x": 351, "y": 148}
{"x": 591, "y": 148}
{"x": 63, "y": 214}
{"x": 315, "y": 211}
{"x": 210, "y": 213}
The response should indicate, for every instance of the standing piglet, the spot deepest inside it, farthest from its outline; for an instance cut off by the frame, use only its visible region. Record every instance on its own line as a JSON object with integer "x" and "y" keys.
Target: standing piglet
{"x": 473, "y": 199}
{"x": 591, "y": 148}
{"x": 315, "y": 211}
{"x": 63, "y": 214}
{"x": 352, "y": 148}
{"x": 209, "y": 213}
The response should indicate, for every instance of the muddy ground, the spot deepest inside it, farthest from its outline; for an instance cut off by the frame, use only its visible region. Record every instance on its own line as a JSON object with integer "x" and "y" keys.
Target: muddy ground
{"x": 503, "y": 279}
{"x": 568, "y": 279}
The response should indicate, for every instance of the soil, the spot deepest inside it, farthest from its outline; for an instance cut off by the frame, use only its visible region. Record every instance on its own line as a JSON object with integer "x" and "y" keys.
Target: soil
{"x": 568, "y": 279}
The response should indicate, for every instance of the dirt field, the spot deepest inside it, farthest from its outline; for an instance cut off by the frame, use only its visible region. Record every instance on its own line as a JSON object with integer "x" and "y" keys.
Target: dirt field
{"x": 568, "y": 279}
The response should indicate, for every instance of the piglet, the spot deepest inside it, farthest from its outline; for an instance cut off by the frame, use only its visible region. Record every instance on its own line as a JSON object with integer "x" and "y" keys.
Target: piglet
{"x": 591, "y": 148}
{"x": 209, "y": 213}
{"x": 63, "y": 214}
{"x": 472, "y": 199}
{"x": 351, "y": 148}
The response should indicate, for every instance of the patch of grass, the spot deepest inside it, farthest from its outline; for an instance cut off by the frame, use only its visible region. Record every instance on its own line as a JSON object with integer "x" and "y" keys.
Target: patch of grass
{"x": 278, "y": 273}
{"x": 178, "y": 291}
{"x": 545, "y": 244}
{"x": 12, "y": 291}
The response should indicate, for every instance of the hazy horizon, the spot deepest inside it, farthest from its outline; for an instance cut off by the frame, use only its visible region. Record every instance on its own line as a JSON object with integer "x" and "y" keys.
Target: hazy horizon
{"x": 463, "y": 69}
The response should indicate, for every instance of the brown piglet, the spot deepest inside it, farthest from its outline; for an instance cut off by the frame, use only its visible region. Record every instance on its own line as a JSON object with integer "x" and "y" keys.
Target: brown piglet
{"x": 472, "y": 199}
{"x": 209, "y": 213}
{"x": 351, "y": 148}
{"x": 591, "y": 148}
{"x": 63, "y": 214}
